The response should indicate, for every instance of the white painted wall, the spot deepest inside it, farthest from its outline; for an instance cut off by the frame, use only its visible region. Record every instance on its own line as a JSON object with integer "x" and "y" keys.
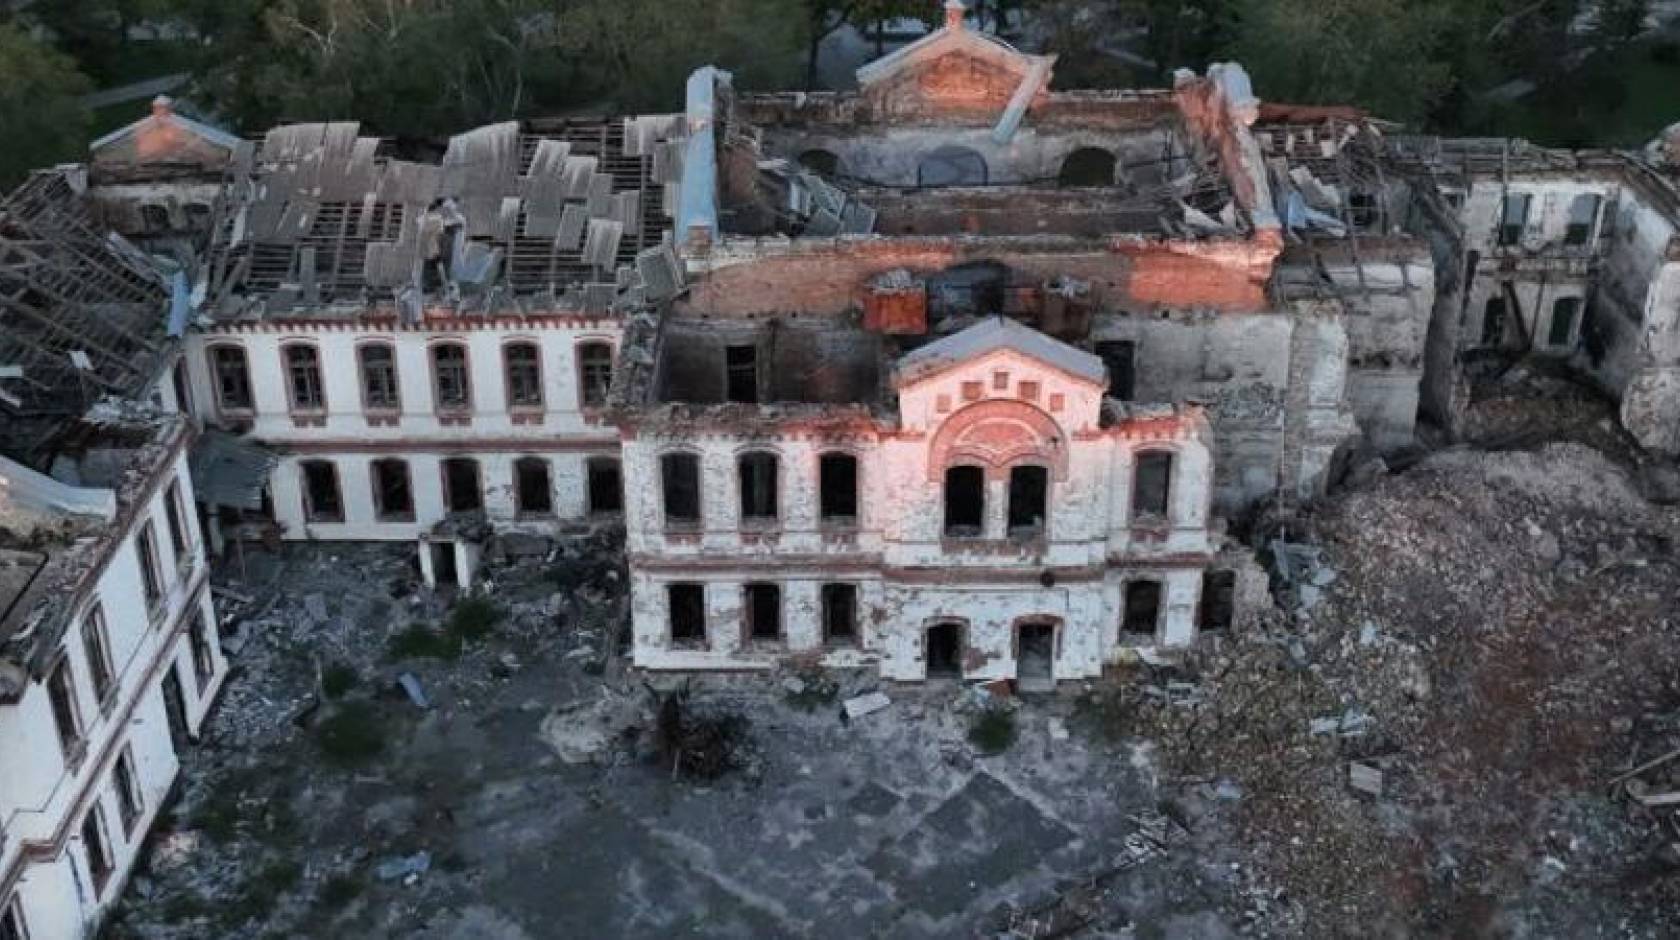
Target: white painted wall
{"x": 41, "y": 797}
{"x": 907, "y": 572}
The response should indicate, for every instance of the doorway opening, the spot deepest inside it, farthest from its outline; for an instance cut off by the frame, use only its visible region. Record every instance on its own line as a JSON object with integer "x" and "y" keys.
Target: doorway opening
{"x": 1035, "y": 656}
{"x": 944, "y": 650}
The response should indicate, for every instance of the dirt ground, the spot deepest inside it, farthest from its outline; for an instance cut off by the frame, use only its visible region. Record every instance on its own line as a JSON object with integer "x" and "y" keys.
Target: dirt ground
{"x": 1422, "y": 739}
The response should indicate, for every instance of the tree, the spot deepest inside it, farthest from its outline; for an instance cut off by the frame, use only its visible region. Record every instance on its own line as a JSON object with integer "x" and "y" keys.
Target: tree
{"x": 42, "y": 118}
{"x": 823, "y": 18}
{"x": 1380, "y": 54}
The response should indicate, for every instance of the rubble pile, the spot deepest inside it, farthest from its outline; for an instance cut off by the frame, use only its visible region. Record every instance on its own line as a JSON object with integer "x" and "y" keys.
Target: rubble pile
{"x": 1426, "y": 740}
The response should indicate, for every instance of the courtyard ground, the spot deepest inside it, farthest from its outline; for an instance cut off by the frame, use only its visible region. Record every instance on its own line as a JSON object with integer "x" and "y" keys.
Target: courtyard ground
{"x": 1453, "y": 723}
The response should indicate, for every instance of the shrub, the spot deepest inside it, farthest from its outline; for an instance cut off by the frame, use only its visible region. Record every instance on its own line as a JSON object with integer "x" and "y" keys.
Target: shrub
{"x": 992, "y": 731}
{"x": 419, "y": 641}
{"x": 474, "y": 617}
{"x": 351, "y": 735}
{"x": 339, "y": 890}
{"x": 338, "y": 679}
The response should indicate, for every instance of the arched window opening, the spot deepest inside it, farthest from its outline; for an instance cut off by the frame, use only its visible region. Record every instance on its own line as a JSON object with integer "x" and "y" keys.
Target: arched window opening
{"x": 1087, "y": 166}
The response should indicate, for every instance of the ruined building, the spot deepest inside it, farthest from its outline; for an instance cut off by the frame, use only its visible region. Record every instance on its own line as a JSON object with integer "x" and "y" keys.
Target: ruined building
{"x": 108, "y": 645}
{"x": 958, "y": 371}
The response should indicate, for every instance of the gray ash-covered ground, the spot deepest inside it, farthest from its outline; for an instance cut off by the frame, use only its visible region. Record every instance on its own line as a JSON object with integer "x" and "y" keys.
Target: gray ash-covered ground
{"x": 532, "y": 799}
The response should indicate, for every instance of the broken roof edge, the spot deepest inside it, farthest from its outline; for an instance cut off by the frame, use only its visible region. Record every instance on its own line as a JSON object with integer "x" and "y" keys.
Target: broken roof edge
{"x": 36, "y": 622}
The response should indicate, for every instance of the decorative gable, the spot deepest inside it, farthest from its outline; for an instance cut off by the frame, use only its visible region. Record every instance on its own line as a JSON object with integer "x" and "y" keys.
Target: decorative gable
{"x": 955, "y": 72}
{"x": 165, "y": 138}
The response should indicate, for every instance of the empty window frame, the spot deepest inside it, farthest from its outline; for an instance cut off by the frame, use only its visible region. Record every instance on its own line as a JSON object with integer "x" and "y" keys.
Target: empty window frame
{"x": 605, "y": 486}
{"x": 322, "y": 501}
{"x": 231, "y": 374}
{"x": 533, "y": 493}
{"x": 378, "y": 364}
{"x": 1152, "y": 484}
{"x": 595, "y": 371}
{"x": 757, "y": 475}
{"x": 1029, "y": 488}
{"x": 821, "y": 162}
{"x": 965, "y": 502}
{"x": 1583, "y": 216}
{"x": 463, "y": 490}
{"x": 202, "y": 636}
{"x": 837, "y": 478}
{"x": 175, "y": 514}
{"x": 763, "y": 605}
{"x": 679, "y": 477}
{"x": 1219, "y": 592}
{"x": 1120, "y": 357}
{"x": 839, "y": 614}
{"x": 1513, "y": 218}
{"x": 67, "y": 718}
{"x": 154, "y": 218}
{"x": 1565, "y": 310}
{"x": 741, "y": 373}
{"x": 1363, "y": 210}
{"x": 12, "y": 925}
{"x": 303, "y": 377}
{"x": 393, "y": 490}
{"x": 151, "y": 572}
{"x": 522, "y": 363}
{"x": 98, "y": 848}
{"x": 96, "y": 644}
{"x": 1087, "y": 166}
{"x": 687, "y": 604}
{"x": 1143, "y": 607}
{"x": 451, "y": 381}
{"x": 951, "y": 166}
{"x": 1493, "y": 322}
{"x": 130, "y": 802}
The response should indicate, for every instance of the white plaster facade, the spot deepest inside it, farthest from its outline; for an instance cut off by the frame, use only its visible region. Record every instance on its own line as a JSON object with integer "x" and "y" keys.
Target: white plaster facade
{"x": 349, "y": 435}
{"x": 166, "y": 670}
{"x": 999, "y": 409}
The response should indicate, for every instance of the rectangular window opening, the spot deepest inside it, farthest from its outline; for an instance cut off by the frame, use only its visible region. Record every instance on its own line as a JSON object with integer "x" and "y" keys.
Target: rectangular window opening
{"x": 61, "y": 694}
{"x": 98, "y": 850}
{"x": 1119, "y": 356}
{"x": 96, "y": 644}
{"x": 535, "y": 496}
{"x": 130, "y": 803}
{"x": 764, "y": 612}
{"x": 1219, "y": 592}
{"x": 741, "y": 373}
{"x": 379, "y": 377}
{"x": 965, "y": 502}
{"x": 839, "y": 612}
{"x": 838, "y": 484}
{"x": 1028, "y": 490}
{"x": 303, "y": 371}
{"x": 322, "y": 500}
{"x": 595, "y": 369}
{"x": 203, "y": 653}
{"x": 758, "y": 487}
{"x": 461, "y": 489}
{"x": 680, "y": 476}
{"x": 1151, "y": 485}
{"x": 1143, "y": 607}
{"x": 1562, "y": 328}
{"x": 175, "y": 516}
{"x": 393, "y": 495}
{"x": 524, "y": 375}
{"x": 606, "y": 486}
{"x": 151, "y": 575}
{"x": 688, "y": 614}
{"x": 232, "y": 378}
{"x": 1513, "y": 219}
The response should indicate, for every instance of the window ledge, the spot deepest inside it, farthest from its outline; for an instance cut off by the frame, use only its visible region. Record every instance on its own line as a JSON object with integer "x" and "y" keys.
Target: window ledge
{"x": 526, "y": 416}
{"x": 396, "y": 518}
{"x": 309, "y": 419}
{"x": 689, "y": 646}
{"x": 454, "y": 418}
{"x": 382, "y": 419}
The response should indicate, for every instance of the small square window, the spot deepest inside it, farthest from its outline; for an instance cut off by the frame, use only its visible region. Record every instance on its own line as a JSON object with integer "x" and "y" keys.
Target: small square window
{"x": 1029, "y": 391}
{"x": 1000, "y": 381}
{"x": 971, "y": 391}
{"x": 942, "y": 404}
{"x": 1058, "y": 401}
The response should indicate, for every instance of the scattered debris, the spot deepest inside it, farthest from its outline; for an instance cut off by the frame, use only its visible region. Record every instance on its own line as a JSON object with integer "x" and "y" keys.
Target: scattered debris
{"x": 864, "y": 705}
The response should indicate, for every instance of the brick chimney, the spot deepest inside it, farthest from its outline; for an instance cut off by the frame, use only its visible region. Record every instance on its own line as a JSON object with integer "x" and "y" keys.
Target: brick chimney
{"x": 954, "y": 14}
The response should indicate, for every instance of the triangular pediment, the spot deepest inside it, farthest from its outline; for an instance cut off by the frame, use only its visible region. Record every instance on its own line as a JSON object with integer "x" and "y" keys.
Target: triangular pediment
{"x": 998, "y": 337}
{"x": 954, "y": 70}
